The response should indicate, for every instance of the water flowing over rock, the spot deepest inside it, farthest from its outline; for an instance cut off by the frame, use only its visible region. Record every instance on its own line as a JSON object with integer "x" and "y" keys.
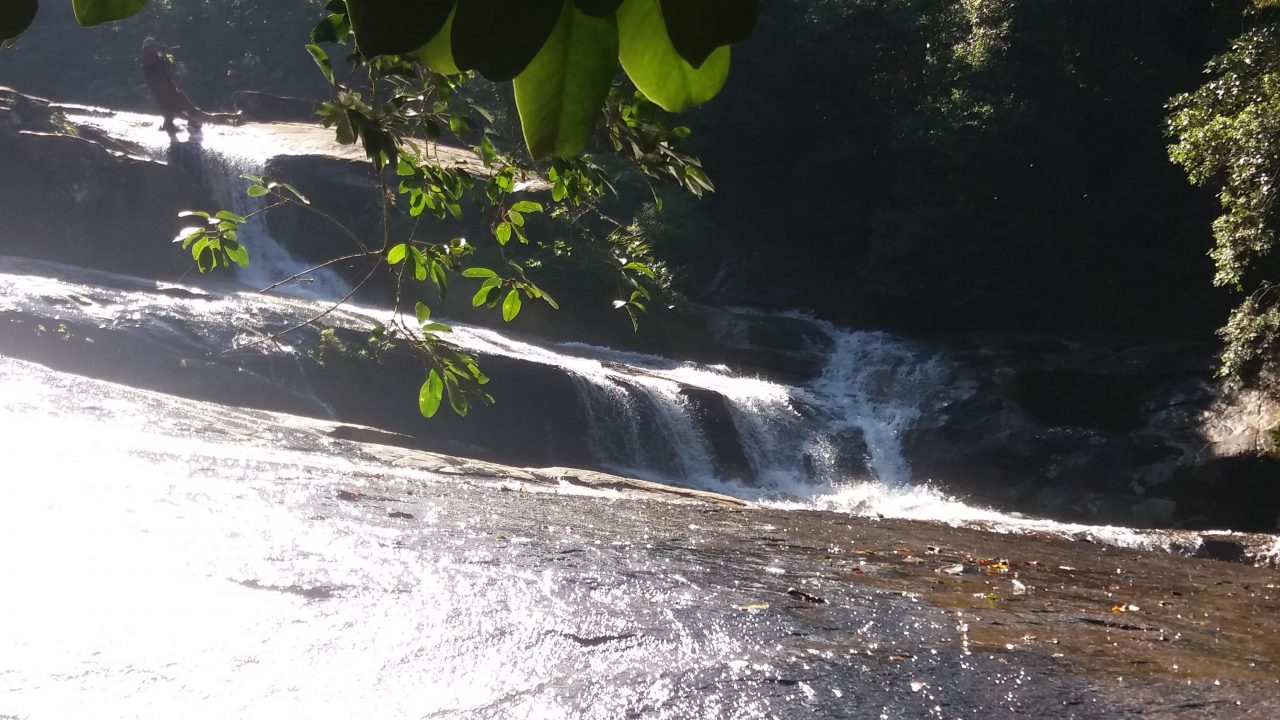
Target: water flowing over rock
{"x": 232, "y": 562}
{"x": 778, "y": 405}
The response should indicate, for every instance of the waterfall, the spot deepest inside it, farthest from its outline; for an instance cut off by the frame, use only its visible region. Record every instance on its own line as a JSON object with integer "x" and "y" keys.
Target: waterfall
{"x": 876, "y": 383}
{"x": 649, "y": 416}
{"x": 269, "y": 261}
{"x": 221, "y": 156}
{"x": 846, "y": 425}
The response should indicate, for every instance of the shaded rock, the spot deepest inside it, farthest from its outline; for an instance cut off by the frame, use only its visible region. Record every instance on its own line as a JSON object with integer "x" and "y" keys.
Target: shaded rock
{"x": 265, "y": 107}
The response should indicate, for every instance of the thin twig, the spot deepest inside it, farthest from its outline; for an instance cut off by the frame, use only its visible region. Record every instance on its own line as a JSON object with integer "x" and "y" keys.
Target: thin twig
{"x": 346, "y": 230}
{"x": 327, "y": 263}
{"x": 275, "y": 336}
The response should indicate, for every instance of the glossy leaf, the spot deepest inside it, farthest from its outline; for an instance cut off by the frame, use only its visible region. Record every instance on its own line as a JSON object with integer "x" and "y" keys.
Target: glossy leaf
{"x": 527, "y": 206}
{"x": 498, "y": 38}
{"x": 422, "y": 313}
{"x": 456, "y": 398}
{"x": 396, "y": 254}
{"x": 393, "y": 27}
{"x": 479, "y": 272}
{"x": 560, "y": 93}
{"x": 653, "y": 64}
{"x": 511, "y": 305}
{"x": 482, "y": 295}
{"x": 96, "y": 12}
{"x": 430, "y": 395}
{"x": 437, "y": 54}
{"x": 15, "y": 17}
{"x": 697, "y": 27}
{"x": 322, "y": 61}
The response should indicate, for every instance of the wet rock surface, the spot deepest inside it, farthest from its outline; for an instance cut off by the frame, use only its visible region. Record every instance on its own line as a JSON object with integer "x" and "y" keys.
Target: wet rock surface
{"x": 1108, "y": 430}
{"x": 247, "y": 564}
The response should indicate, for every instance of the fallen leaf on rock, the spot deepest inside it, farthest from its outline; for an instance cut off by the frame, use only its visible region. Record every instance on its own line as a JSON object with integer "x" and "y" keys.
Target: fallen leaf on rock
{"x": 802, "y": 595}
{"x": 913, "y": 560}
{"x": 348, "y": 495}
{"x": 956, "y": 569}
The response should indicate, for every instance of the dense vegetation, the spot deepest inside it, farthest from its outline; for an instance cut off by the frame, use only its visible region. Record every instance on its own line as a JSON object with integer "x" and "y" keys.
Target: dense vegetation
{"x": 1228, "y": 136}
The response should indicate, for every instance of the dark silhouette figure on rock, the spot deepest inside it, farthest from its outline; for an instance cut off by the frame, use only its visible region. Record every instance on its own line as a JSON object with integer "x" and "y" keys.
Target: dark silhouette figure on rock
{"x": 159, "y": 70}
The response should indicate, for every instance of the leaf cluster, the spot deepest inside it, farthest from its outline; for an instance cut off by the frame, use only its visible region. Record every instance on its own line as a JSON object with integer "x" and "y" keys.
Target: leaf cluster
{"x": 1227, "y": 133}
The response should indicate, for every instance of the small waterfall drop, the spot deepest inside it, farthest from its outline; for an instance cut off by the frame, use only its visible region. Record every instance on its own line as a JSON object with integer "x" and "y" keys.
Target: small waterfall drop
{"x": 223, "y": 155}
{"x": 876, "y": 383}
{"x": 703, "y": 425}
{"x": 269, "y": 261}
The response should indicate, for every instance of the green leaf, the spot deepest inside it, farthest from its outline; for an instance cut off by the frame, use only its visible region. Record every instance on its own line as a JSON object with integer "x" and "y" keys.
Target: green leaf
{"x": 503, "y": 233}
{"x": 422, "y": 312}
{"x": 516, "y": 218}
{"x": 16, "y": 17}
{"x": 527, "y": 206}
{"x": 560, "y": 93}
{"x": 96, "y": 12}
{"x": 511, "y": 305}
{"x": 479, "y": 272}
{"x": 331, "y": 29}
{"x": 396, "y": 254}
{"x": 294, "y": 191}
{"x": 322, "y": 61}
{"x": 456, "y": 398}
{"x": 640, "y": 268}
{"x": 431, "y": 394}
{"x": 697, "y": 27}
{"x": 498, "y": 38}
{"x": 437, "y": 54}
{"x": 394, "y": 27}
{"x": 256, "y": 191}
{"x": 653, "y": 64}
{"x": 237, "y": 253}
{"x": 435, "y": 327}
{"x": 228, "y": 215}
{"x": 482, "y": 295}
{"x": 488, "y": 153}
{"x": 419, "y": 264}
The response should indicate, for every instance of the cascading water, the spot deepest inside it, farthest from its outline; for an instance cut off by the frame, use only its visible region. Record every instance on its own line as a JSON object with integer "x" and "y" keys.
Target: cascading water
{"x": 223, "y": 156}
{"x": 270, "y": 262}
{"x": 846, "y": 425}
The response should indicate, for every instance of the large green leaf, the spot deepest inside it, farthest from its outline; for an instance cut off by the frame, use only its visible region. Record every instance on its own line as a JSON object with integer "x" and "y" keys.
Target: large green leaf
{"x": 697, "y": 27}
{"x": 15, "y": 17}
{"x": 430, "y": 395}
{"x": 437, "y": 54}
{"x": 392, "y": 27}
{"x": 96, "y": 12}
{"x": 498, "y": 38}
{"x": 560, "y": 93}
{"x": 653, "y": 64}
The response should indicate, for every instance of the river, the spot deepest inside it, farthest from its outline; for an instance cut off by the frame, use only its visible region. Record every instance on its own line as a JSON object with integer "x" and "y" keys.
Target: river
{"x": 176, "y": 549}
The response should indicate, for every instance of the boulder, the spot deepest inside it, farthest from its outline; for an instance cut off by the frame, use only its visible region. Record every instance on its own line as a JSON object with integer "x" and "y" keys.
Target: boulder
{"x": 1098, "y": 431}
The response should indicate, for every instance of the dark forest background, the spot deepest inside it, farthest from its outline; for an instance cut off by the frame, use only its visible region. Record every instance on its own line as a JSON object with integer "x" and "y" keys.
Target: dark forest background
{"x": 920, "y": 165}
